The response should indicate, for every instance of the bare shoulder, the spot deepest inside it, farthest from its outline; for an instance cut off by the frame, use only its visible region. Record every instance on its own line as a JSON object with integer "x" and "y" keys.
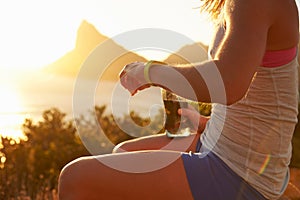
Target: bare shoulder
{"x": 249, "y": 14}
{"x": 258, "y": 4}
{"x": 253, "y": 8}
{"x": 261, "y": 7}
{"x": 279, "y": 18}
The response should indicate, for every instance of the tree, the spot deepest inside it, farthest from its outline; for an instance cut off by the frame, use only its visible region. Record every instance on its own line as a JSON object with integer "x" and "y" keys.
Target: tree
{"x": 101, "y": 133}
{"x": 33, "y": 166}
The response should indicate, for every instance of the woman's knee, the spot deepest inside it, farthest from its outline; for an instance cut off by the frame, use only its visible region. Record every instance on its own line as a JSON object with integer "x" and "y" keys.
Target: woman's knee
{"x": 129, "y": 145}
{"x": 69, "y": 183}
{"x": 65, "y": 182}
{"x": 119, "y": 148}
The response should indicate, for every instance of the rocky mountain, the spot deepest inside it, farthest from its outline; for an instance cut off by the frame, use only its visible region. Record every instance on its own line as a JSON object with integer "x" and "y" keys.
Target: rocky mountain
{"x": 87, "y": 42}
{"x": 94, "y": 51}
{"x": 188, "y": 54}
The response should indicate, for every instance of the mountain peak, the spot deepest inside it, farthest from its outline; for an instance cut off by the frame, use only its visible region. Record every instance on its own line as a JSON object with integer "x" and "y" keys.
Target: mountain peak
{"x": 193, "y": 53}
{"x": 88, "y": 36}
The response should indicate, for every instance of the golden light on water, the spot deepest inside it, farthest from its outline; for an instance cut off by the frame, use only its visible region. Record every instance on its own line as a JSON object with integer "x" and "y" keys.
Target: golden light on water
{"x": 10, "y": 113}
{"x": 9, "y": 99}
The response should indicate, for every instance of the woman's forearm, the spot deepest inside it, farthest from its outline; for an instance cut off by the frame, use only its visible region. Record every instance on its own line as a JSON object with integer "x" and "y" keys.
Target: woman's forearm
{"x": 202, "y": 82}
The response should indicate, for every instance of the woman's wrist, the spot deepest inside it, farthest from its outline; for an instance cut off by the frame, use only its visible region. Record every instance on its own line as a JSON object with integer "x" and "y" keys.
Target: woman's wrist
{"x": 147, "y": 67}
{"x": 146, "y": 71}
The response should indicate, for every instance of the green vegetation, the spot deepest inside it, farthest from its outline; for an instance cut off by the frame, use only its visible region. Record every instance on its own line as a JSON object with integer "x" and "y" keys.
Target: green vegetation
{"x": 30, "y": 169}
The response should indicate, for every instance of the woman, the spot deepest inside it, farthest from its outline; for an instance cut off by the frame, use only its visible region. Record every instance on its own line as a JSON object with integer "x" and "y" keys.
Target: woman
{"x": 245, "y": 148}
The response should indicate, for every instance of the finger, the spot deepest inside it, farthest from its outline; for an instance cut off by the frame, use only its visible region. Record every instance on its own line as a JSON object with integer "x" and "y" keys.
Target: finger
{"x": 130, "y": 79}
{"x": 127, "y": 68}
{"x": 122, "y": 73}
{"x": 123, "y": 79}
{"x": 140, "y": 88}
{"x": 132, "y": 85}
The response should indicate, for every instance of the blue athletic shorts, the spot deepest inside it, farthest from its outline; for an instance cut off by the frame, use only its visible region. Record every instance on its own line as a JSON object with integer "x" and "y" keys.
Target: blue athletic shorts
{"x": 211, "y": 179}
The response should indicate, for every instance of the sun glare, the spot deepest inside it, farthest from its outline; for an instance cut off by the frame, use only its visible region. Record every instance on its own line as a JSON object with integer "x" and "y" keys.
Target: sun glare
{"x": 10, "y": 113}
{"x": 36, "y": 33}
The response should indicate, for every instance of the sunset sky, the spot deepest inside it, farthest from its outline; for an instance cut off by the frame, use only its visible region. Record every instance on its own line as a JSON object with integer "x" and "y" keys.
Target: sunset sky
{"x": 35, "y": 33}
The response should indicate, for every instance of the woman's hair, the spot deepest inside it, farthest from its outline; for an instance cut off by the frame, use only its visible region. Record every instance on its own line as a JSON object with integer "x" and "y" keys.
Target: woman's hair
{"x": 212, "y": 7}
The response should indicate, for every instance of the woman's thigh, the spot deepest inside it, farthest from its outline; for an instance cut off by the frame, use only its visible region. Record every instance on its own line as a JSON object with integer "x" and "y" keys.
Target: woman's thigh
{"x": 153, "y": 175}
{"x": 132, "y": 175}
{"x": 159, "y": 142}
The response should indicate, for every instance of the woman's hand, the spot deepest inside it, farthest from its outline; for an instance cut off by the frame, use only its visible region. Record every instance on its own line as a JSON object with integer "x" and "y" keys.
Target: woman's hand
{"x": 197, "y": 120}
{"x": 132, "y": 77}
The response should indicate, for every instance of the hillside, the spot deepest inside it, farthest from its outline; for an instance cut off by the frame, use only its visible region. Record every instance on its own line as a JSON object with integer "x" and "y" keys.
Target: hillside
{"x": 88, "y": 38}
{"x": 188, "y": 54}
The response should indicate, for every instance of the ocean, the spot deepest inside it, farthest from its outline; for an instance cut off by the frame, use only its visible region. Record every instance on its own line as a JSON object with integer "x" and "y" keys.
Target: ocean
{"x": 30, "y": 95}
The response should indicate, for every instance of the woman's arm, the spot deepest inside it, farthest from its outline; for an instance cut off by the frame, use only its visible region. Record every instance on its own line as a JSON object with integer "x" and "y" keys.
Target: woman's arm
{"x": 226, "y": 78}
{"x": 241, "y": 51}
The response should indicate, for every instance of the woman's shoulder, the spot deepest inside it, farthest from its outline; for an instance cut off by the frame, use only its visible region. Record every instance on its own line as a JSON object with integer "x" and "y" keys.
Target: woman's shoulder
{"x": 280, "y": 17}
{"x": 234, "y": 9}
{"x": 259, "y": 5}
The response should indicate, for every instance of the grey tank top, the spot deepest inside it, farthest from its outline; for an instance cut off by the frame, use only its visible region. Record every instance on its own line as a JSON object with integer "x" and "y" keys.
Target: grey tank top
{"x": 253, "y": 136}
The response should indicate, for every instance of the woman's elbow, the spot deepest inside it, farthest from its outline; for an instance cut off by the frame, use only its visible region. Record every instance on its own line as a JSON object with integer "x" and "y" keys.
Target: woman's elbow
{"x": 235, "y": 93}
{"x": 232, "y": 100}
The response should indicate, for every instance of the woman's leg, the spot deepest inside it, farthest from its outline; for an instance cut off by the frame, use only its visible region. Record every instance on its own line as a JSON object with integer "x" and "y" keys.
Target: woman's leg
{"x": 153, "y": 175}
{"x": 133, "y": 175}
{"x": 159, "y": 142}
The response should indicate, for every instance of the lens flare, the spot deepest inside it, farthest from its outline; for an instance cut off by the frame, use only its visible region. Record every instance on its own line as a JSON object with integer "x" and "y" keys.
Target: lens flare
{"x": 265, "y": 164}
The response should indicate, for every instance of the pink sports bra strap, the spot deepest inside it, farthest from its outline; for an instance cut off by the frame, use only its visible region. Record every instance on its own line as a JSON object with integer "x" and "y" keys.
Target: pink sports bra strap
{"x": 278, "y": 58}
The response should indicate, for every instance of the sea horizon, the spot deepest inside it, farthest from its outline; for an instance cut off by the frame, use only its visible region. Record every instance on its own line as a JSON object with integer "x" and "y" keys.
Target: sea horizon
{"x": 45, "y": 91}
